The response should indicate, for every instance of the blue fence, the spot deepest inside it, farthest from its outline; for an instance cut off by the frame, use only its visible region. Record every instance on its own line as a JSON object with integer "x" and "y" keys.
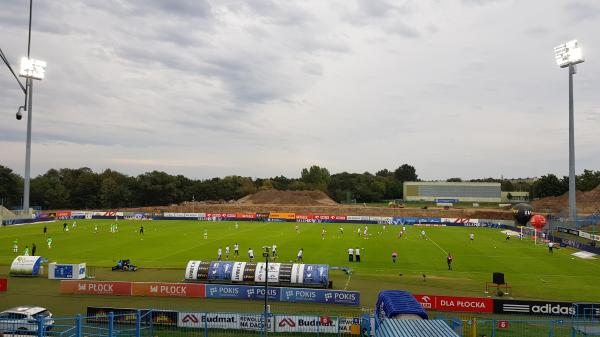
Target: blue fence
{"x": 99, "y": 322}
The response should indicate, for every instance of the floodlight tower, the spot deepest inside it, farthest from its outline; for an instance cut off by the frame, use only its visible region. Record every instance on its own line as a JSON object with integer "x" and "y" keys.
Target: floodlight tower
{"x": 266, "y": 313}
{"x": 568, "y": 55}
{"x": 32, "y": 70}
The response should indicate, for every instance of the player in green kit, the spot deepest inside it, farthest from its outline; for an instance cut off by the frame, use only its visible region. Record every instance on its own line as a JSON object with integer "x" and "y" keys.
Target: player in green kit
{"x": 49, "y": 241}
{"x": 15, "y": 246}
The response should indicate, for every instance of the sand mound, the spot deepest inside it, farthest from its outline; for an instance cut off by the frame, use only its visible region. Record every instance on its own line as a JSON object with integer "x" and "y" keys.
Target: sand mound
{"x": 587, "y": 202}
{"x": 277, "y": 197}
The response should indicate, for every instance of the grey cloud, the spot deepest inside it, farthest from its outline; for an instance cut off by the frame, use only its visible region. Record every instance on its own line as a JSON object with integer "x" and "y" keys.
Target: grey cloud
{"x": 376, "y": 8}
{"x": 179, "y": 8}
{"x": 536, "y": 31}
{"x": 581, "y": 11}
{"x": 282, "y": 13}
{"x": 313, "y": 68}
{"x": 481, "y": 2}
{"x": 391, "y": 18}
{"x": 151, "y": 80}
{"x": 403, "y": 29}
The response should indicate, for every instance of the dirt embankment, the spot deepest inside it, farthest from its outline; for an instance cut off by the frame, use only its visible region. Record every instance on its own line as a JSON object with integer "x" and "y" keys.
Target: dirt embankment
{"x": 316, "y": 202}
{"x": 299, "y": 198}
{"x": 587, "y": 203}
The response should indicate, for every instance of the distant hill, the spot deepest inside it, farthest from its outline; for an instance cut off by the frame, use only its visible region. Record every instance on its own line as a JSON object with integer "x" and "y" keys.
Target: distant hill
{"x": 277, "y": 197}
{"x": 587, "y": 202}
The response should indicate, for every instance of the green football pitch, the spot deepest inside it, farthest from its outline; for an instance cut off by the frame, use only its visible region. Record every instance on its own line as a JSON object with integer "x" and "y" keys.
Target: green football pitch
{"x": 166, "y": 246}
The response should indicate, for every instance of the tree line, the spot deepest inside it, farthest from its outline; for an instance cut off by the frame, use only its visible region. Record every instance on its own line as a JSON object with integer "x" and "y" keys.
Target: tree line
{"x": 83, "y": 188}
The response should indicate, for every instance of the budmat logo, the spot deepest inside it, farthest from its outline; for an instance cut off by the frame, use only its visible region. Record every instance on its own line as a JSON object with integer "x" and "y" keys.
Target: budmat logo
{"x": 287, "y": 322}
{"x": 190, "y": 319}
{"x": 213, "y": 291}
{"x": 328, "y": 297}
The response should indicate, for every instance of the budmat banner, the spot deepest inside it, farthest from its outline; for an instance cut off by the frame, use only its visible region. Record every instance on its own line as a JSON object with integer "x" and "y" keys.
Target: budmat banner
{"x": 233, "y": 321}
{"x": 314, "y": 324}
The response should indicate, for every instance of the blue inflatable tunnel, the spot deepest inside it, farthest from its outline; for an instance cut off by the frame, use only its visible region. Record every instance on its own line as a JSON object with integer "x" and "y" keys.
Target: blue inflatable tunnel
{"x": 393, "y": 303}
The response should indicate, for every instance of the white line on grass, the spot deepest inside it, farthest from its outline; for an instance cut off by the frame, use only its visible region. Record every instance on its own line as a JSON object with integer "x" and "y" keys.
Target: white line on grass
{"x": 442, "y": 249}
{"x": 347, "y": 281}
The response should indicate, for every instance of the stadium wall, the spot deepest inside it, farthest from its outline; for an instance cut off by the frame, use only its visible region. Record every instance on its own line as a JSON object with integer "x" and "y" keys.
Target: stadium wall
{"x": 459, "y": 191}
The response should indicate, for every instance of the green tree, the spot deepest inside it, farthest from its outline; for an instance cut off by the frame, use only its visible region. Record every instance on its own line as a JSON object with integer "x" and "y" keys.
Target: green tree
{"x": 588, "y": 180}
{"x": 548, "y": 185}
{"x": 316, "y": 177}
{"x": 48, "y": 191}
{"x": 11, "y": 188}
{"x": 454, "y": 180}
{"x": 155, "y": 188}
{"x": 406, "y": 173}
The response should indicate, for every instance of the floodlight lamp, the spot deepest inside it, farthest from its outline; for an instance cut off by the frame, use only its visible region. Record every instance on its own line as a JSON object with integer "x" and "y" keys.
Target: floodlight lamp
{"x": 569, "y": 53}
{"x": 31, "y": 68}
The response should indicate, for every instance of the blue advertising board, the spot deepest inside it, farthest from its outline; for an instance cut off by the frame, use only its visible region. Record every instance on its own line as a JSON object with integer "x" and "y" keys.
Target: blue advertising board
{"x": 226, "y": 291}
{"x": 220, "y": 271}
{"x": 316, "y": 274}
{"x": 258, "y": 293}
{"x": 320, "y": 296}
{"x": 412, "y": 221}
{"x": 446, "y": 201}
{"x": 302, "y": 295}
{"x": 342, "y": 297}
{"x": 63, "y": 271}
{"x": 242, "y": 292}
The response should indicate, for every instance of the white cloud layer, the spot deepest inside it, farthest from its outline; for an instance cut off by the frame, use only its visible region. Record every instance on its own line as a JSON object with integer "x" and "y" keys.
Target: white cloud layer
{"x": 211, "y": 88}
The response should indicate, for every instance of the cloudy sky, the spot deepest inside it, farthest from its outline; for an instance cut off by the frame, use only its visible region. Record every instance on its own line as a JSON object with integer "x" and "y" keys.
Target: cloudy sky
{"x": 261, "y": 88}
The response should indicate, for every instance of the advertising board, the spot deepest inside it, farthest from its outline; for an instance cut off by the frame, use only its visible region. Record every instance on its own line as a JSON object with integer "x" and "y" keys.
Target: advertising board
{"x": 245, "y": 216}
{"x": 3, "y": 284}
{"x": 287, "y": 216}
{"x": 316, "y": 274}
{"x": 220, "y": 271}
{"x": 191, "y": 270}
{"x": 320, "y": 296}
{"x": 237, "y": 274}
{"x": 127, "y": 315}
{"x": 62, "y": 271}
{"x": 260, "y": 273}
{"x": 95, "y": 287}
{"x": 160, "y": 289}
{"x": 298, "y": 324}
{"x": 546, "y": 308}
{"x": 297, "y": 273}
{"x": 26, "y": 266}
{"x": 285, "y": 273}
{"x": 233, "y": 321}
{"x": 226, "y": 291}
{"x": 456, "y": 303}
{"x": 63, "y": 215}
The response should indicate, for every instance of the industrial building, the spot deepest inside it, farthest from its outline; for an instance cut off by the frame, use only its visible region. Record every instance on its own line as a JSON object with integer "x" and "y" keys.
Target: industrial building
{"x": 452, "y": 192}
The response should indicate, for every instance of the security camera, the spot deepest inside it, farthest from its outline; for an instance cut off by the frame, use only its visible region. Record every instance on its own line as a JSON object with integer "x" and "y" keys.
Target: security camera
{"x": 19, "y": 113}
